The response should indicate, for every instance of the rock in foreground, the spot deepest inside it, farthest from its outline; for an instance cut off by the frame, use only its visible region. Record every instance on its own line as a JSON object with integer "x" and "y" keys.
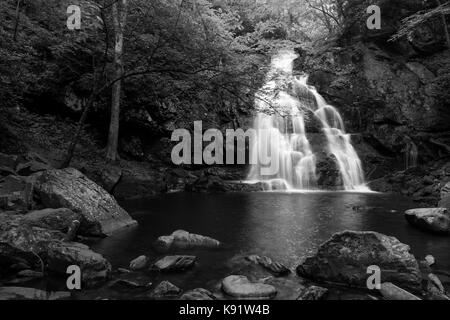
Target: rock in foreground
{"x": 165, "y": 290}
{"x": 241, "y": 287}
{"x": 434, "y": 220}
{"x": 274, "y": 267}
{"x": 174, "y": 263}
{"x": 344, "y": 259}
{"x": 22, "y": 242}
{"x": 69, "y": 188}
{"x": 181, "y": 239}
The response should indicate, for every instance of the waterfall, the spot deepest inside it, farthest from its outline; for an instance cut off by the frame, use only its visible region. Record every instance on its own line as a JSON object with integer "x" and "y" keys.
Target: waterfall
{"x": 284, "y": 103}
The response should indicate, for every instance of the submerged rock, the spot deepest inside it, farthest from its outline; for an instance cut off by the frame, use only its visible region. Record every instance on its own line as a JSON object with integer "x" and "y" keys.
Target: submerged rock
{"x": 21, "y": 293}
{"x": 267, "y": 263}
{"x": 198, "y": 294}
{"x": 165, "y": 289}
{"x": 241, "y": 287}
{"x": 174, "y": 263}
{"x": 435, "y": 220}
{"x": 181, "y": 239}
{"x": 139, "y": 263}
{"x": 390, "y": 291}
{"x": 344, "y": 259}
{"x": 313, "y": 293}
{"x": 94, "y": 267}
{"x": 71, "y": 189}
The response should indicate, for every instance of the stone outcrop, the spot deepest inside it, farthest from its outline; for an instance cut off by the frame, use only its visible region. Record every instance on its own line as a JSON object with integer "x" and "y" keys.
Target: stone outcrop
{"x": 21, "y": 242}
{"x": 345, "y": 257}
{"x": 434, "y": 220}
{"x": 181, "y": 239}
{"x": 71, "y": 189}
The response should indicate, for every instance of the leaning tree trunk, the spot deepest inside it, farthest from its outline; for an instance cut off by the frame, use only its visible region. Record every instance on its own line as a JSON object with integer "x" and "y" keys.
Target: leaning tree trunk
{"x": 16, "y": 23}
{"x": 444, "y": 24}
{"x": 119, "y": 9}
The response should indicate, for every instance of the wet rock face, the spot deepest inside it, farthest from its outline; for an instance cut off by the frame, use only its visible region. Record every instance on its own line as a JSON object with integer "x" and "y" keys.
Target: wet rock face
{"x": 344, "y": 259}
{"x": 181, "y": 239}
{"x": 21, "y": 241}
{"x": 69, "y": 188}
{"x": 434, "y": 220}
{"x": 165, "y": 290}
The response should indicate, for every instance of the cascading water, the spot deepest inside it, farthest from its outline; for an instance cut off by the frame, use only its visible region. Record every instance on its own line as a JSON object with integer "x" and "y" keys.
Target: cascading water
{"x": 280, "y": 133}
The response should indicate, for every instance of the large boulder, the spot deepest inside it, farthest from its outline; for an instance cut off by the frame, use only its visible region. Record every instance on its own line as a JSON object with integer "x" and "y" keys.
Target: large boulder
{"x": 435, "y": 220}
{"x": 181, "y": 239}
{"x": 241, "y": 287}
{"x": 345, "y": 257}
{"x": 54, "y": 219}
{"x": 71, "y": 189}
{"x": 22, "y": 242}
{"x": 94, "y": 267}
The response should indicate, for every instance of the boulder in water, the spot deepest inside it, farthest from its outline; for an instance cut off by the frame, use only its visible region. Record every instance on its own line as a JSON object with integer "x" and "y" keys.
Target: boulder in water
{"x": 435, "y": 220}
{"x": 139, "y": 263}
{"x": 240, "y": 287}
{"x": 313, "y": 293}
{"x": 345, "y": 257}
{"x": 71, "y": 189}
{"x": 181, "y": 239}
{"x": 274, "y": 267}
{"x": 164, "y": 290}
{"x": 174, "y": 263}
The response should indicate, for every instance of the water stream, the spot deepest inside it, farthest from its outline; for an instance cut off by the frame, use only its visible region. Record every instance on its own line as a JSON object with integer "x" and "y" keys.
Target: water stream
{"x": 285, "y": 104}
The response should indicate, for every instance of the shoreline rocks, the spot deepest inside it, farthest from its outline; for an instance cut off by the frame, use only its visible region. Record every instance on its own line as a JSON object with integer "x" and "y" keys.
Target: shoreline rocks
{"x": 434, "y": 220}
{"x": 345, "y": 257}
{"x": 181, "y": 239}
{"x": 69, "y": 188}
{"x": 174, "y": 263}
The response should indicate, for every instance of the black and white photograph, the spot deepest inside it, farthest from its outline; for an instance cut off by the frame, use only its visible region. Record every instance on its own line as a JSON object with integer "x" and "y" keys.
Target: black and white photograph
{"x": 219, "y": 157}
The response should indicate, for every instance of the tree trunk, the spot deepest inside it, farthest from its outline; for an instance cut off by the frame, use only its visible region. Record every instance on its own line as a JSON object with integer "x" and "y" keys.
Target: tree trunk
{"x": 444, "y": 23}
{"x": 16, "y": 24}
{"x": 119, "y": 9}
